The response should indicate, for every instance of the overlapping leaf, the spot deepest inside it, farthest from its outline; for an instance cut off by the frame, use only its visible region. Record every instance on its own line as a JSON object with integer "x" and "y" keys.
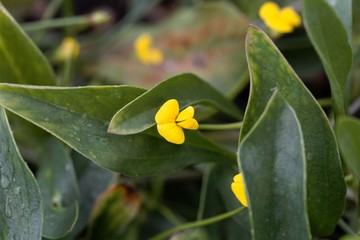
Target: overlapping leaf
{"x": 20, "y": 208}
{"x": 79, "y": 117}
{"x": 272, "y": 159}
{"x": 59, "y": 190}
{"x": 325, "y": 183}
{"x": 188, "y": 89}
{"x": 348, "y": 135}
{"x": 21, "y": 61}
{"x": 329, "y": 37}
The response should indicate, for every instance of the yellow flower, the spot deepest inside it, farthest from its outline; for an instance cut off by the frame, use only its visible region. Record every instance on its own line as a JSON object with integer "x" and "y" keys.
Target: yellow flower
{"x": 239, "y": 190}
{"x": 170, "y": 122}
{"x": 280, "y": 20}
{"x": 146, "y": 53}
{"x": 69, "y": 48}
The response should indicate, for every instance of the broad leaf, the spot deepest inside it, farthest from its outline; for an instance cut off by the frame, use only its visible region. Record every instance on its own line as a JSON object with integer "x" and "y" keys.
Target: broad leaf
{"x": 325, "y": 183}
{"x": 188, "y": 89}
{"x": 272, "y": 160}
{"x": 80, "y": 117}
{"x": 20, "y": 208}
{"x": 21, "y": 61}
{"x": 343, "y": 9}
{"x": 328, "y": 35}
{"x": 348, "y": 135}
{"x": 59, "y": 190}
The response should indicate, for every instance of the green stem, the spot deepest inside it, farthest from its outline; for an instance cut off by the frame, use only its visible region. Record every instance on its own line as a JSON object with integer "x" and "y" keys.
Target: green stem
{"x": 169, "y": 215}
{"x": 203, "y": 192}
{"x": 226, "y": 126}
{"x": 65, "y": 81}
{"x": 347, "y": 229}
{"x": 51, "y": 10}
{"x": 204, "y": 222}
{"x": 325, "y": 102}
{"x": 84, "y": 20}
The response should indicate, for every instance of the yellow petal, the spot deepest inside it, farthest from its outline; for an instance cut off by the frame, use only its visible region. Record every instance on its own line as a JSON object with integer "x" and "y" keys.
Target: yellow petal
{"x": 238, "y": 189}
{"x": 168, "y": 112}
{"x": 289, "y": 15}
{"x": 171, "y": 132}
{"x": 191, "y": 124}
{"x": 69, "y": 48}
{"x": 142, "y": 43}
{"x": 185, "y": 114}
{"x": 278, "y": 25}
{"x": 269, "y": 10}
{"x": 154, "y": 56}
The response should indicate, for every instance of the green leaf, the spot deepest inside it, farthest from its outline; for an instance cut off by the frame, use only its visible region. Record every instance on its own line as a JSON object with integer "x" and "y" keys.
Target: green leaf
{"x": 59, "y": 190}
{"x": 328, "y": 35}
{"x": 343, "y": 9}
{"x": 21, "y": 61}
{"x": 80, "y": 117}
{"x": 115, "y": 209}
{"x": 325, "y": 181}
{"x": 20, "y": 208}
{"x": 188, "y": 89}
{"x": 348, "y": 135}
{"x": 273, "y": 163}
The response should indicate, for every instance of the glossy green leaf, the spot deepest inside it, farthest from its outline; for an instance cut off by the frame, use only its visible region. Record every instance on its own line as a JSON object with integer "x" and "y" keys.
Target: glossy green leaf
{"x": 21, "y": 61}
{"x": 328, "y": 35}
{"x": 343, "y": 9}
{"x": 80, "y": 117}
{"x": 20, "y": 208}
{"x": 348, "y": 135}
{"x": 188, "y": 89}
{"x": 272, "y": 160}
{"x": 115, "y": 209}
{"x": 325, "y": 183}
{"x": 59, "y": 190}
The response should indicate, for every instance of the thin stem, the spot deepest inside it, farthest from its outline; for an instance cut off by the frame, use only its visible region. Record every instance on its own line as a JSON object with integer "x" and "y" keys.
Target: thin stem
{"x": 203, "y": 192}
{"x": 226, "y": 126}
{"x": 347, "y": 229}
{"x": 84, "y": 20}
{"x": 52, "y": 9}
{"x": 65, "y": 81}
{"x": 204, "y": 222}
{"x": 169, "y": 215}
{"x": 325, "y": 102}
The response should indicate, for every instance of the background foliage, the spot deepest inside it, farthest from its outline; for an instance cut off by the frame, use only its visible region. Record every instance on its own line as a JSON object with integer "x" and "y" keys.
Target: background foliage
{"x": 80, "y": 156}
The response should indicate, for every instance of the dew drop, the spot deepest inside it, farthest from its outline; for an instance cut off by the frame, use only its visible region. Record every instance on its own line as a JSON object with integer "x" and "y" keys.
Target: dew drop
{"x": 93, "y": 155}
{"x": 78, "y": 139}
{"x": 46, "y": 119}
{"x": 89, "y": 125}
{"x": 7, "y": 207}
{"x": 76, "y": 127}
{"x": 17, "y": 190}
{"x": 5, "y": 182}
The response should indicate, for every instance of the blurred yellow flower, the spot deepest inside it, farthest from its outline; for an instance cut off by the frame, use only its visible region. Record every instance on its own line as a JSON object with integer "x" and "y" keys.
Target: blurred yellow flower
{"x": 69, "y": 48}
{"x": 170, "y": 122}
{"x": 145, "y": 52}
{"x": 238, "y": 189}
{"x": 280, "y": 20}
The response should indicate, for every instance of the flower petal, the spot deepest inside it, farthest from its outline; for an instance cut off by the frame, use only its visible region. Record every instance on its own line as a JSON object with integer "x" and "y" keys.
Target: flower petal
{"x": 279, "y": 25}
{"x": 171, "y": 132}
{"x": 269, "y": 10}
{"x": 167, "y": 112}
{"x": 289, "y": 15}
{"x": 191, "y": 124}
{"x": 185, "y": 114}
{"x": 239, "y": 190}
